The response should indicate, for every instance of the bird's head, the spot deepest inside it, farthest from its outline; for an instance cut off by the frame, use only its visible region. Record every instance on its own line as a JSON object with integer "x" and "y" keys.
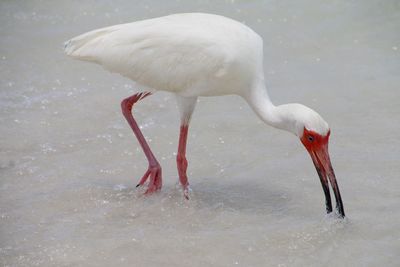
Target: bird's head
{"x": 314, "y": 133}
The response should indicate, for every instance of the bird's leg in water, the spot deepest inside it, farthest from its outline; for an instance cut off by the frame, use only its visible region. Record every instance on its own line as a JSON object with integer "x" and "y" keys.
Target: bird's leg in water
{"x": 154, "y": 170}
{"x": 181, "y": 161}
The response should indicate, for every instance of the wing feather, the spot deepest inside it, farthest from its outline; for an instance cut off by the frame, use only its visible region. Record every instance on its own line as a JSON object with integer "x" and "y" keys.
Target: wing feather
{"x": 157, "y": 53}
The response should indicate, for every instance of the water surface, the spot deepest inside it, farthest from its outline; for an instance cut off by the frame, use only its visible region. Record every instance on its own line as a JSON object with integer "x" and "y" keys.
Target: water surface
{"x": 69, "y": 162}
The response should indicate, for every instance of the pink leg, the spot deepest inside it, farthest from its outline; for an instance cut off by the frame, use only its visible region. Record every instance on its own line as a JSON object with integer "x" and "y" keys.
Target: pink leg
{"x": 154, "y": 170}
{"x": 181, "y": 161}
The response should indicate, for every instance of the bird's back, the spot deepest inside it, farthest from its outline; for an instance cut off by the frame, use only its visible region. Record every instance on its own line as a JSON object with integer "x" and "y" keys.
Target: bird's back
{"x": 189, "y": 54}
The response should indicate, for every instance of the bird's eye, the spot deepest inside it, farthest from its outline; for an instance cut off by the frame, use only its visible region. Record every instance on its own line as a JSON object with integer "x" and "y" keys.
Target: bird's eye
{"x": 310, "y": 138}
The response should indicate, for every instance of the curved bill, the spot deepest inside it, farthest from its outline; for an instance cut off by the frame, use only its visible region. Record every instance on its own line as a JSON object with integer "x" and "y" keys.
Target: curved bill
{"x": 322, "y": 162}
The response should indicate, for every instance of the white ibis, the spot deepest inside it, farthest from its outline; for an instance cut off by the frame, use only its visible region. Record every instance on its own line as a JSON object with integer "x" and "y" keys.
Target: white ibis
{"x": 194, "y": 55}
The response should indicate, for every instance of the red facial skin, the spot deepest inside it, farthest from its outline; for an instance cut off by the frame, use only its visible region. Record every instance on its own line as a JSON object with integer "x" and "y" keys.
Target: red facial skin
{"x": 313, "y": 141}
{"x": 317, "y": 147}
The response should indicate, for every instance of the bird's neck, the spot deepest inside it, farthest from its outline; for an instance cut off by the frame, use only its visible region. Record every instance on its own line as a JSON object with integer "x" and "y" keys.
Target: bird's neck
{"x": 277, "y": 116}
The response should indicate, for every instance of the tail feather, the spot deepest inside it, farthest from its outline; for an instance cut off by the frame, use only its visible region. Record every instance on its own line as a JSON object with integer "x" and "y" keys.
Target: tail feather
{"x": 80, "y": 46}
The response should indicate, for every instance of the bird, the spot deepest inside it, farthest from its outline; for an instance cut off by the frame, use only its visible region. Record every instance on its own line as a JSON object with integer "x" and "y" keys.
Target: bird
{"x": 194, "y": 55}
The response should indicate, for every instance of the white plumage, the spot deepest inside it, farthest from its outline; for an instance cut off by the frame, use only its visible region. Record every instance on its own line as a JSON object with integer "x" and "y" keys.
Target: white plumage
{"x": 178, "y": 53}
{"x": 191, "y": 55}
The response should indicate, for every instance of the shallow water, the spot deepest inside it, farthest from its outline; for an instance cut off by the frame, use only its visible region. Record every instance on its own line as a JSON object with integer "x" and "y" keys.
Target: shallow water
{"x": 69, "y": 163}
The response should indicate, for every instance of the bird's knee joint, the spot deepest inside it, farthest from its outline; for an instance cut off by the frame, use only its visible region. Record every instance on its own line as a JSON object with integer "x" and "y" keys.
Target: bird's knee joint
{"x": 126, "y": 106}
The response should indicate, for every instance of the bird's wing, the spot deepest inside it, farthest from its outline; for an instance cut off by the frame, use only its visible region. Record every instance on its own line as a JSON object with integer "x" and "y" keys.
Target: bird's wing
{"x": 161, "y": 53}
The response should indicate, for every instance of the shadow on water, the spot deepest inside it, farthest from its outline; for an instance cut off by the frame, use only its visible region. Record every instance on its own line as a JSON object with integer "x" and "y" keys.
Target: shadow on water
{"x": 233, "y": 196}
{"x": 242, "y": 196}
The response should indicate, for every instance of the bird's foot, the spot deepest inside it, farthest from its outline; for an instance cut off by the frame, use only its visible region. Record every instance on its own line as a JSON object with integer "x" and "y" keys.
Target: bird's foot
{"x": 186, "y": 191}
{"x": 154, "y": 174}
